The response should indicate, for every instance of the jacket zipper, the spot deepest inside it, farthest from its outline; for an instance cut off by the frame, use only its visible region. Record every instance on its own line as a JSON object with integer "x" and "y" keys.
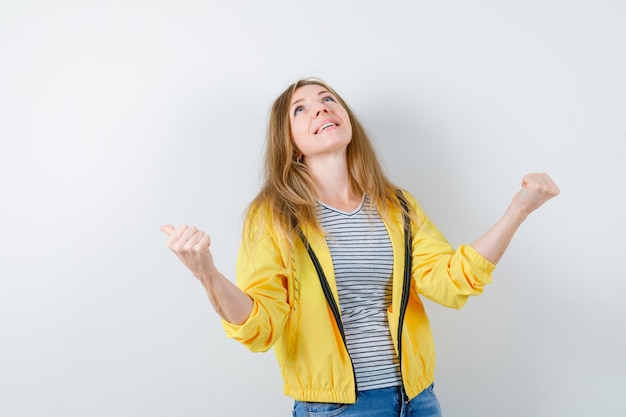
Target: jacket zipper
{"x": 330, "y": 300}
{"x": 406, "y": 284}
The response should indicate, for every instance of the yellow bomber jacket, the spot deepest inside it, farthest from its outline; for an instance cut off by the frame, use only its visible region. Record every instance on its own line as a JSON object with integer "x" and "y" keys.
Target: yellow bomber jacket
{"x": 291, "y": 313}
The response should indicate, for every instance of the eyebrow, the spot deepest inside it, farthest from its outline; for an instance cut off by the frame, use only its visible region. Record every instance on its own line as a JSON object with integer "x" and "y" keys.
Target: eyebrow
{"x": 319, "y": 94}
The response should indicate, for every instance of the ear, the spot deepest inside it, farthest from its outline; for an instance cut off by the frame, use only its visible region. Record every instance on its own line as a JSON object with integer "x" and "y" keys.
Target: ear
{"x": 297, "y": 153}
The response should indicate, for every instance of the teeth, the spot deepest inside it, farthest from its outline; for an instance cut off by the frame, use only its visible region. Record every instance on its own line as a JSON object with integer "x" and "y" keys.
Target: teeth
{"x": 325, "y": 126}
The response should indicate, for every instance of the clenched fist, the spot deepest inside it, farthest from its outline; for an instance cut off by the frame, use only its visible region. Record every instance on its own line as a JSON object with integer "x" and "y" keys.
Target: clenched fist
{"x": 537, "y": 188}
{"x": 191, "y": 245}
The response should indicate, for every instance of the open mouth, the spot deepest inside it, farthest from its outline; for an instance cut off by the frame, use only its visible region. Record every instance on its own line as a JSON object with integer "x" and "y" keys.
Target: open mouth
{"x": 325, "y": 126}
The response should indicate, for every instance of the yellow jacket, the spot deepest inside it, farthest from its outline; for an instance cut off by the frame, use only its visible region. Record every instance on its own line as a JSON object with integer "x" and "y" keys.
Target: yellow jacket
{"x": 291, "y": 313}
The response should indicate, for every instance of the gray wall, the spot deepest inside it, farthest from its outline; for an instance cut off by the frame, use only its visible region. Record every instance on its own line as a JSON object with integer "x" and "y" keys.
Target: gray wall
{"x": 119, "y": 116}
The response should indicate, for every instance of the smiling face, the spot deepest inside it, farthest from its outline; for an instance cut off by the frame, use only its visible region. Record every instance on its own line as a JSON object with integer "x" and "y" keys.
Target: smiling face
{"x": 319, "y": 123}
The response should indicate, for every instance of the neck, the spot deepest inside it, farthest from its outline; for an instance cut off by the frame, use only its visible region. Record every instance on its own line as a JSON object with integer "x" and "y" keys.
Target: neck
{"x": 333, "y": 182}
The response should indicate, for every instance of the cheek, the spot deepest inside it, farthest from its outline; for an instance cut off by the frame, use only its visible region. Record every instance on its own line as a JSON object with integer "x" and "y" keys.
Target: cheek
{"x": 295, "y": 139}
{"x": 349, "y": 128}
{"x": 298, "y": 132}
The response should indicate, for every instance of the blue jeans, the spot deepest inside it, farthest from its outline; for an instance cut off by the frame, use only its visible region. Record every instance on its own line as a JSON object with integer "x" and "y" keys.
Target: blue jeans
{"x": 383, "y": 402}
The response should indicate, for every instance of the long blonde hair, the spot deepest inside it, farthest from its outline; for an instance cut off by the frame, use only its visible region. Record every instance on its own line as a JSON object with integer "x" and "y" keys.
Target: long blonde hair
{"x": 289, "y": 190}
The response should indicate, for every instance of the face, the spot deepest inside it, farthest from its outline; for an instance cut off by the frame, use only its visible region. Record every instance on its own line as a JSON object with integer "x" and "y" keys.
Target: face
{"x": 319, "y": 124}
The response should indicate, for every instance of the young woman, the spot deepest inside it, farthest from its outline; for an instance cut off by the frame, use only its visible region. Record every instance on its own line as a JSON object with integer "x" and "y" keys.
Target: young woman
{"x": 333, "y": 261}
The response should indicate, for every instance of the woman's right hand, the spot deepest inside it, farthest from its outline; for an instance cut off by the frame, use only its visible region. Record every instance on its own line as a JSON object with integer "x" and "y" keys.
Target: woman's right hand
{"x": 191, "y": 245}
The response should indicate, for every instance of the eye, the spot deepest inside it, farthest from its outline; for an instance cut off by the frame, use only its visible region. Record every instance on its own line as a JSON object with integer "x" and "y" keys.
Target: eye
{"x": 297, "y": 110}
{"x": 328, "y": 98}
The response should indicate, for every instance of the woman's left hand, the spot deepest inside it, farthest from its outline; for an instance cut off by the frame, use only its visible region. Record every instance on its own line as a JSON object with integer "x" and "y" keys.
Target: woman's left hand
{"x": 537, "y": 188}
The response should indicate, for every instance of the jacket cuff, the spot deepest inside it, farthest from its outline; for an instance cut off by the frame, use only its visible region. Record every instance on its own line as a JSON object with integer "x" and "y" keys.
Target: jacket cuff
{"x": 244, "y": 330}
{"x": 480, "y": 265}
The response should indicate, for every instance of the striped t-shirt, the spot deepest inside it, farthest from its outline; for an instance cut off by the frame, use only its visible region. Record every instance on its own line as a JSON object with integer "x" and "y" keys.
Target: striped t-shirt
{"x": 363, "y": 263}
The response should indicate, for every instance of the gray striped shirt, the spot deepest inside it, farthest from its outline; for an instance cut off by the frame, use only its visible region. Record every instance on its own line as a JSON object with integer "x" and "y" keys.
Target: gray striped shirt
{"x": 363, "y": 262}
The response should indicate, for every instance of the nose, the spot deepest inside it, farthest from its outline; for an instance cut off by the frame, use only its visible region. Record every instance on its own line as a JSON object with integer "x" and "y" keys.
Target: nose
{"x": 322, "y": 109}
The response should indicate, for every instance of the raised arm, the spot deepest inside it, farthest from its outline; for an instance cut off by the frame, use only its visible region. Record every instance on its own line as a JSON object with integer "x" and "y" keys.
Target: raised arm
{"x": 192, "y": 248}
{"x": 536, "y": 190}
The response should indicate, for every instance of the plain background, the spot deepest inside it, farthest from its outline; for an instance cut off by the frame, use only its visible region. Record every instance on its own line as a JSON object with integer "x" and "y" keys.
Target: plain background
{"x": 119, "y": 116}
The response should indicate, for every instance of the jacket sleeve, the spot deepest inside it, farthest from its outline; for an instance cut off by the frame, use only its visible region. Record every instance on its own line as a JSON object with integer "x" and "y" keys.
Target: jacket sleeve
{"x": 262, "y": 274}
{"x": 440, "y": 273}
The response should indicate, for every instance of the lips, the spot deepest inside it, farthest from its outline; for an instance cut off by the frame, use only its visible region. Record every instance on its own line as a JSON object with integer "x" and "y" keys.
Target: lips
{"x": 325, "y": 125}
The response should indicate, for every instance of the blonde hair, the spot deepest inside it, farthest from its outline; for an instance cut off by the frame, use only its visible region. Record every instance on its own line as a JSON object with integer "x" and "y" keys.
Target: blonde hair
{"x": 289, "y": 191}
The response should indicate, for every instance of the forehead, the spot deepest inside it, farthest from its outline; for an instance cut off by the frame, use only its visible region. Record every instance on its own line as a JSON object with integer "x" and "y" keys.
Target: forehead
{"x": 308, "y": 91}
